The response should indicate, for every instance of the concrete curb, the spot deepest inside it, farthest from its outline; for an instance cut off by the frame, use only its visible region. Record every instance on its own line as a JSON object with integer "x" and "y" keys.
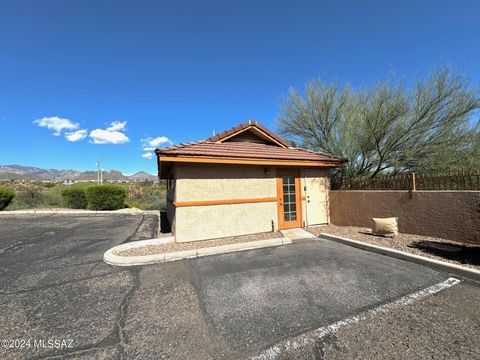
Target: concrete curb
{"x": 77, "y": 212}
{"x": 441, "y": 265}
{"x": 110, "y": 258}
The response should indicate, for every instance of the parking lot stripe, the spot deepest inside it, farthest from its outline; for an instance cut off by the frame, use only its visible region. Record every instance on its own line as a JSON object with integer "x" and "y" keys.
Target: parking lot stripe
{"x": 310, "y": 337}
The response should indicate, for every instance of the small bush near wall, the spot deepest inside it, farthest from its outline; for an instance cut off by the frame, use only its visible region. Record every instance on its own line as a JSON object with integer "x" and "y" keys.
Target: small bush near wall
{"x": 106, "y": 197}
{"x": 146, "y": 196}
{"x": 6, "y": 197}
{"x": 74, "y": 198}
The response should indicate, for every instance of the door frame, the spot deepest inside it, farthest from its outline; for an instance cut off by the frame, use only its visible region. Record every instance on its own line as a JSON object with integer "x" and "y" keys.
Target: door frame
{"x": 282, "y": 224}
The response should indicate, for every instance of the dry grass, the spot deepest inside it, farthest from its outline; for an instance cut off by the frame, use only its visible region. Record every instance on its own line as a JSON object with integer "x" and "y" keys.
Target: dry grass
{"x": 436, "y": 248}
{"x": 175, "y": 246}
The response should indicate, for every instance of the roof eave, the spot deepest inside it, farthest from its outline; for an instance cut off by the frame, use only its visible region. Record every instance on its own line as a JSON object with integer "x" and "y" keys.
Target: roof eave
{"x": 249, "y": 161}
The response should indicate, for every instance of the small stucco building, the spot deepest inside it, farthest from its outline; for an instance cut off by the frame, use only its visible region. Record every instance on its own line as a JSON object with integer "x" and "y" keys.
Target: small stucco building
{"x": 244, "y": 180}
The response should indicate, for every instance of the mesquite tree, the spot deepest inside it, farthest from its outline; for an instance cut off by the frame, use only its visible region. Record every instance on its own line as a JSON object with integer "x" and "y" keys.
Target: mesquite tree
{"x": 391, "y": 128}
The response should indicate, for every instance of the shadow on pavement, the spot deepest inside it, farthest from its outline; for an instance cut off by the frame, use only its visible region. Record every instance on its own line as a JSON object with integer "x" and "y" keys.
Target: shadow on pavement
{"x": 462, "y": 253}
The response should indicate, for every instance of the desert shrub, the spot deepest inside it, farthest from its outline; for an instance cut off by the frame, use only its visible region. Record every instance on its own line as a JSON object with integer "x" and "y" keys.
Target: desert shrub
{"x": 28, "y": 196}
{"x": 106, "y": 197}
{"x": 53, "y": 196}
{"x": 146, "y": 196}
{"x": 74, "y": 198}
{"x": 6, "y": 197}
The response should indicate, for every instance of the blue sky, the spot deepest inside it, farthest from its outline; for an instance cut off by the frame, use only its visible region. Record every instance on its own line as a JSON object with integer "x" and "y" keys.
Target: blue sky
{"x": 133, "y": 72}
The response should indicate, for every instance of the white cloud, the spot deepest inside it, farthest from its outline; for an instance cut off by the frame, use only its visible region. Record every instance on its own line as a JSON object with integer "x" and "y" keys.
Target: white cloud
{"x": 159, "y": 140}
{"x": 150, "y": 144}
{"x": 76, "y": 135}
{"x": 110, "y": 135}
{"x": 117, "y": 126}
{"x": 57, "y": 124}
{"x": 100, "y": 136}
{"x": 147, "y": 155}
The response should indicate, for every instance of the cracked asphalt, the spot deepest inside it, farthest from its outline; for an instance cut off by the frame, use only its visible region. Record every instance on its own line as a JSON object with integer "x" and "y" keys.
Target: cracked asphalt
{"x": 54, "y": 285}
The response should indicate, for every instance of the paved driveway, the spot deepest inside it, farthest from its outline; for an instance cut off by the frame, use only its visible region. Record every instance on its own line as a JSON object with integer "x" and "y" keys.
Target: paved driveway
{"x": 54, "y": 286}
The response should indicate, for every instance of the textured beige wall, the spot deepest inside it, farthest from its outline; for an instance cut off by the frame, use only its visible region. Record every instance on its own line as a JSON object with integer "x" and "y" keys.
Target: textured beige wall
{"x": 453, "y": 215}
{"x": 223, "y": 182}
{"x": 215, "y": 221}
{"x": 196, "y": 182}
{"x": 217, "y": 182}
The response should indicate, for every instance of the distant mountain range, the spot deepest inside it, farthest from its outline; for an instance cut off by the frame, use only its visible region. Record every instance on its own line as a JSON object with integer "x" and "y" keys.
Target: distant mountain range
{"x": 17, "y": 172}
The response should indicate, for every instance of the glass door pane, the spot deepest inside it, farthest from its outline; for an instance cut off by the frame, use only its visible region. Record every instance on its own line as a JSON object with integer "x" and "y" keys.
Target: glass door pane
{"x": 289, "y": 198}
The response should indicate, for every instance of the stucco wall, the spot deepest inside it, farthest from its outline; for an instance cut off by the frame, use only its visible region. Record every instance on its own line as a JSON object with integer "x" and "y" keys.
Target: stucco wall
{"x": 220, "y": 182}
{"x": 215, "y": 221}
{"x": 223, "y": 182}
{"x": 451, "y": 215}
{"x": 197, "y": 182}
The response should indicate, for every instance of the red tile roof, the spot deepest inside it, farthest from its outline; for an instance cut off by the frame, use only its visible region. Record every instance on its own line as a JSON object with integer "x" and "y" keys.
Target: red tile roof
{"x": 246, "y": 150}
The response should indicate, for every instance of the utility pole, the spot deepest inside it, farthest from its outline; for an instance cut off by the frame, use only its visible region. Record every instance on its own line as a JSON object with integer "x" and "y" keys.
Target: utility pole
{"x": 101, "y": 177}
{"x": 98, "y": 172}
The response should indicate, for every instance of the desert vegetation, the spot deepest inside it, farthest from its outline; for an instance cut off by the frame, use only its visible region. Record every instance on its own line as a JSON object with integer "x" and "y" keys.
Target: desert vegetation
{"x": 74, "y": 197}
{"x": 6, "y": 196}
{"x": 35, "y": 195}
{"x": 105, "y": 197}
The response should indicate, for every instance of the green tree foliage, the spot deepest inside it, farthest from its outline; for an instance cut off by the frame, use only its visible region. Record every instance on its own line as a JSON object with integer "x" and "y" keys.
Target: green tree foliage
{"x": 6, "y": 196}
{"x": 106, "y": 197}
{"x": 74, "y": 197}
{"x": 390, "y": 128}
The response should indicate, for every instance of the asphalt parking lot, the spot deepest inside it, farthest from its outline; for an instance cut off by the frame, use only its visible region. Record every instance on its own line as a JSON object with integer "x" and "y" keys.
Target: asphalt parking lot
{"x": 55, "y": 286}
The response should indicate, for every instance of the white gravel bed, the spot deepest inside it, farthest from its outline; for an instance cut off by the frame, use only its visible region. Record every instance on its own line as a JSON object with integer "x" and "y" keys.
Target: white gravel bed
{"x": 176, "y": 246}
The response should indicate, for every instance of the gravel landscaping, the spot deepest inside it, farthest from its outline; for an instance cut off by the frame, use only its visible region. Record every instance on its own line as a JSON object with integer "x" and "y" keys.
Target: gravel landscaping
{"x": 175, "y": 246}
{"x": 440, "y": 249}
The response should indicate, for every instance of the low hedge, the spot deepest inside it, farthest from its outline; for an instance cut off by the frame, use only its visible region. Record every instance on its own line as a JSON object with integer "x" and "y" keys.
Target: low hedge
{"x": 74, "y": 198}
{"x": 6, "y": 197}
{"x": 106, "y": 197}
